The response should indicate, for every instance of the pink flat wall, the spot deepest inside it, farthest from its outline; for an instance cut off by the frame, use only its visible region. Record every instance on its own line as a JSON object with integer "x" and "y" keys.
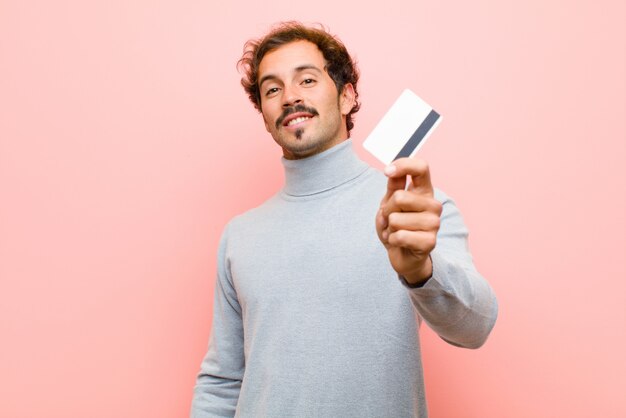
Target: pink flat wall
{"x": 126, "y": 144}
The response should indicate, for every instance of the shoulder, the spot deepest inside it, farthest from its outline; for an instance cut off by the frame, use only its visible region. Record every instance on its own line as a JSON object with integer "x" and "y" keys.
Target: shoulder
{"x": 372, "y": 181}
{"x": 254, "y": 216}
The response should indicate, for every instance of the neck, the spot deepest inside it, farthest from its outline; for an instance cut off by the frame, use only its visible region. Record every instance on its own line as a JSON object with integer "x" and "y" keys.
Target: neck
{"x": 323, "y": 171}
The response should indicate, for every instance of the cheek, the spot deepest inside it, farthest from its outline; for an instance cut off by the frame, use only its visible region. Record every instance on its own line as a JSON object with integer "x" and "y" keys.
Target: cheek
{"x": 267, "y": 121}
{"x": 328, "y": 103}
{"x": 269, "y": 112}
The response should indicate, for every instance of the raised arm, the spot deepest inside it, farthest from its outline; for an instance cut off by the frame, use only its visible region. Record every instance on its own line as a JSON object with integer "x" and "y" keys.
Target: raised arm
{"x": 426, "y": 240}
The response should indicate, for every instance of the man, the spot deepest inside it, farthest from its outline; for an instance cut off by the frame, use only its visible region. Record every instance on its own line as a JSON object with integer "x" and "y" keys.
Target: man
{"x": 320, "y": 291}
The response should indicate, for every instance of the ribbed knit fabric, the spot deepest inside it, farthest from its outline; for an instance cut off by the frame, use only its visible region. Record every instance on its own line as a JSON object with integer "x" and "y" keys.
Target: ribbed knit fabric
{"x": 310, "y": 320}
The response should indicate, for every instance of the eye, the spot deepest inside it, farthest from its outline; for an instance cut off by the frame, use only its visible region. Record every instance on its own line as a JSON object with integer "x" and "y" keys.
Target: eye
{"x": 271, "y": 91}
{"x": 308, "y": 81}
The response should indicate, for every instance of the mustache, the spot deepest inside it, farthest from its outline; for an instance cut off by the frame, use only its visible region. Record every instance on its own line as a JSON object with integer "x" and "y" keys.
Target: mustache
{"x": 294, "y": 109}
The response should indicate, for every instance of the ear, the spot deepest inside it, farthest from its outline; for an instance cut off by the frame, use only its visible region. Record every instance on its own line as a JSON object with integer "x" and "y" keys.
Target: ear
{"x": 347, "y": 99}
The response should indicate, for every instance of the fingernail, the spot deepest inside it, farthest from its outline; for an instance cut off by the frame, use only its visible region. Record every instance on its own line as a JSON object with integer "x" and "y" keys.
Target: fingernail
{"x": 385, "y": 234}
{"x": 389, "y": 170}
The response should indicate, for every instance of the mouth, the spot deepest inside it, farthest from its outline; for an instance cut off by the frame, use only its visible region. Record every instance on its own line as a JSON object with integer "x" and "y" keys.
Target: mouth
{"x": 296, "y": 119}
{"x": 296, "y": 115}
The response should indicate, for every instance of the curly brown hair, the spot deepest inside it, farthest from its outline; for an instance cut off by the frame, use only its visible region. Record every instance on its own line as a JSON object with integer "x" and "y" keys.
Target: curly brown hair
{"x": 339, "y": 65}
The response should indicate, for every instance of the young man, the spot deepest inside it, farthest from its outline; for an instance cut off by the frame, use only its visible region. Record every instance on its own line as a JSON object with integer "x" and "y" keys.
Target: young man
{"x": 320, "y": 291}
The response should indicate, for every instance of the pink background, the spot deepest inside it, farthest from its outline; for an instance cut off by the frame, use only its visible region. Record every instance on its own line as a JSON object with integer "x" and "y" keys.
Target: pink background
{"x": 126, "y": 144}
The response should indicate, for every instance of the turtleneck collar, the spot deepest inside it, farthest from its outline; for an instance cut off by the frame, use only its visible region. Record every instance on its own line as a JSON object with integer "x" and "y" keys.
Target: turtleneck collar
{"x": 323, "y": 171}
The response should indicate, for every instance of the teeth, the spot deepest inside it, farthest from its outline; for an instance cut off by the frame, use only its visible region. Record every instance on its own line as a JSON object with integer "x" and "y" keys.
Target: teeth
{"x": 297, "y": 120}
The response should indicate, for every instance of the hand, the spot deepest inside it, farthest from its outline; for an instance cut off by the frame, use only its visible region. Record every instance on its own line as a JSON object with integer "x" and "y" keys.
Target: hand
{"x": 408, "y": 220}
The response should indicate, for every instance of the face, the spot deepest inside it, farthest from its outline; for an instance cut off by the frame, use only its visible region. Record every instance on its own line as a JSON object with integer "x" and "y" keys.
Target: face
{"x": 301, "y": 107}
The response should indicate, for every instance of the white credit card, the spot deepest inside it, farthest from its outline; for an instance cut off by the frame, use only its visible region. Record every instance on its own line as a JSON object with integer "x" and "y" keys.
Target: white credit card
{"x": 403, "y": 130}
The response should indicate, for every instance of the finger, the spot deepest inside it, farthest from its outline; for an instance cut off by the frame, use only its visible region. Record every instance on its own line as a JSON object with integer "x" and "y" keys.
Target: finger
{"x": 418, "y": 242}
{"x": 381, "y": 228}
{"x": 409, "y": 201}
{"x": 416, "y": 168}
{"x": 393, "y": 184}
{"x": 413, "y": 221}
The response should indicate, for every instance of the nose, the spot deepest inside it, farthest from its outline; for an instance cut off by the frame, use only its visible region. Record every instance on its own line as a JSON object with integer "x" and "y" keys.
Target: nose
{"x": 291, "y": 97}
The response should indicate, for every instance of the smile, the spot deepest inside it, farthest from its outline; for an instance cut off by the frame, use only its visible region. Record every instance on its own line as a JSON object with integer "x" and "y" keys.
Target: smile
{"x": 298, "y": 120}
{"x": 294, "y": 115}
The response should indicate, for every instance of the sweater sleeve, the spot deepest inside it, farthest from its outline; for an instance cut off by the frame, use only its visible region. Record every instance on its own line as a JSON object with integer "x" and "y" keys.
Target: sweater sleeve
{"x": 218, "y": 384}
{"x": 456, "y": 302}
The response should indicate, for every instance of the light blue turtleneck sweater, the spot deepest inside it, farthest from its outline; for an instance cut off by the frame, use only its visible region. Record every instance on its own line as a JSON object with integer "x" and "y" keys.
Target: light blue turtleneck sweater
{"x": 310, "y": 320}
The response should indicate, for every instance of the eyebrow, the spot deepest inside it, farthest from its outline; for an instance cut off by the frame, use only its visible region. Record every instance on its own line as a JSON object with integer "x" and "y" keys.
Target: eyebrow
{"x": 298, "y": 69}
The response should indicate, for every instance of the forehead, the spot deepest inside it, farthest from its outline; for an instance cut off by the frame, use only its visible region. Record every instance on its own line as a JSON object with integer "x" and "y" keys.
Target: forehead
{"x": 288, "y": 57}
